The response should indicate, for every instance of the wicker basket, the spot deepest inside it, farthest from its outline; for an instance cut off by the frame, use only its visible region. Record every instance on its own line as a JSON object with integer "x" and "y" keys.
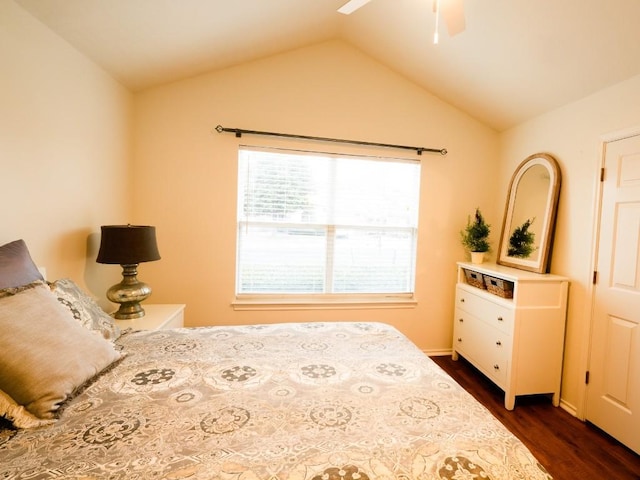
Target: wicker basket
{"x": 498, "y": 286}
{"x": 474, "y": 278}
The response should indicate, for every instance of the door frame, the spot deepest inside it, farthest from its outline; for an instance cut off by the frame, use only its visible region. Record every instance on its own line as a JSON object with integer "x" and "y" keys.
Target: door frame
{"x": 581, "y": 407}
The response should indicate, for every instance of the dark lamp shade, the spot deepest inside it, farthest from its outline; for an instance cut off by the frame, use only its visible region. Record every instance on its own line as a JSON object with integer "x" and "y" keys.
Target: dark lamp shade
{"x": 128, "y": 244}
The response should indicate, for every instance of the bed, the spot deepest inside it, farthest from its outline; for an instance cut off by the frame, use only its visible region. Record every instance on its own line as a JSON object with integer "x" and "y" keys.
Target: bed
{"x": 320, "y": 401}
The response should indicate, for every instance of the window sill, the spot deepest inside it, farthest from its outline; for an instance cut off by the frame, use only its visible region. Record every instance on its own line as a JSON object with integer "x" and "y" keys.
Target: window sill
{"x": 274, "y": 302}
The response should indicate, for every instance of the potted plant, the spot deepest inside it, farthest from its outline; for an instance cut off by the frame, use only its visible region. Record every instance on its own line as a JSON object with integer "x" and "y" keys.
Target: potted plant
{"x": 521, "y": 241}
{"x": 475, "y": 237}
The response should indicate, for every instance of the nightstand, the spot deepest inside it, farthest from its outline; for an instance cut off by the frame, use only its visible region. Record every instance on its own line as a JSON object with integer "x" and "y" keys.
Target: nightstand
{"x": 157, "y": 317}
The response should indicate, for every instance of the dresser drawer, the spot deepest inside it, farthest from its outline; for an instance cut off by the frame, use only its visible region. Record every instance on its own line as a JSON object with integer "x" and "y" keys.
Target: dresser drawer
{"x": 496, "y": 315}
{"x": 487, "y": 347}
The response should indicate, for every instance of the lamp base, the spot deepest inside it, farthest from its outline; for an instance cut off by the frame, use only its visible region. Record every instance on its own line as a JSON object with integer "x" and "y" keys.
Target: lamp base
{"x": 129, "y": 311}
{"x": 129, "y": 293}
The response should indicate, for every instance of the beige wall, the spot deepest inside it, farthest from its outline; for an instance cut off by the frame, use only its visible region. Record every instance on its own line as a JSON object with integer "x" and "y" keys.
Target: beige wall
{"x": 64, "y": 149}
{"x": 185, "y": 175}
{"x": 573, "y": 134}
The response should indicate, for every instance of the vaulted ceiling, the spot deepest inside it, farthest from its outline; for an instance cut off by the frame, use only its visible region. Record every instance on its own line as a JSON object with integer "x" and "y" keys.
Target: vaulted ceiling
{"x": 515, "y": 60}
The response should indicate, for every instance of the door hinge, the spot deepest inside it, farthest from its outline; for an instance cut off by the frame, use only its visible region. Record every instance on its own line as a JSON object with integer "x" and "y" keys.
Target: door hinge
{"x": 602, "y": 174}
{"x": 595, "y": 277}
{"x": 586, "y": 377}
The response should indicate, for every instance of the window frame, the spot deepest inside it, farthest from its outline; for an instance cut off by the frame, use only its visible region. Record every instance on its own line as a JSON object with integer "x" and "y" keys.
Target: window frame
{"x": 323, "y": 301}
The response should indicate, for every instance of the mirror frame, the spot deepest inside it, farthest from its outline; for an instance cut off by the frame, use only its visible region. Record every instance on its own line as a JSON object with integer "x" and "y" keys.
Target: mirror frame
{"x": 541, "y": 264}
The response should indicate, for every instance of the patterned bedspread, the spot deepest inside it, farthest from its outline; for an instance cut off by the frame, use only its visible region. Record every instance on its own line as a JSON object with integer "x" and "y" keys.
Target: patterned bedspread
{"x": 321, "y": 401}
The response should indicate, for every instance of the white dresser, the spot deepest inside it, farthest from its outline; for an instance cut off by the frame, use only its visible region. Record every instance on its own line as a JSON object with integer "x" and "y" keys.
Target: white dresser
{"x": 517, "y": 342}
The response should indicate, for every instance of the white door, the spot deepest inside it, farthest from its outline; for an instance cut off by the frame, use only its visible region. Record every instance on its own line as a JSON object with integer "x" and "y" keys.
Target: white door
{"x": 613, "y": 391}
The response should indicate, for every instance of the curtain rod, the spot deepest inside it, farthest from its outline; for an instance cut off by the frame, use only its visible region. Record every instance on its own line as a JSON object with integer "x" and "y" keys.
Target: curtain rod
{"x": 239, "y": 132}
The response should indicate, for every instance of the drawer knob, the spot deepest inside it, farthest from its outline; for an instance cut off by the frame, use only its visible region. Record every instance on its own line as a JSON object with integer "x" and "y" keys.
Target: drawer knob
{"x": 461, "y": 320}
{"x": 459, "y": 339}
{"x": 498, "y": 343}
{"x": 496, "y": 367}
{"x": 500, "y": 319}
{"x": 462, "y": 300}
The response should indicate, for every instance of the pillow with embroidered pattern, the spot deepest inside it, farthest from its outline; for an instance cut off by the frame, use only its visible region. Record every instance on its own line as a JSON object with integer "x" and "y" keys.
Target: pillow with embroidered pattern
{"x": 84, "y": 308}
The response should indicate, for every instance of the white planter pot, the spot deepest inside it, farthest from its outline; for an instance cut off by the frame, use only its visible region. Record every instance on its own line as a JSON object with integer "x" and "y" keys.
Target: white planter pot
{"x": 477, "y": 257}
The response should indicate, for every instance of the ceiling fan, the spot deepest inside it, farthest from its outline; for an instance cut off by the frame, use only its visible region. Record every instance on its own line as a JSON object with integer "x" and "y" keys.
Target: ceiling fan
{"x": 452, "y": 11}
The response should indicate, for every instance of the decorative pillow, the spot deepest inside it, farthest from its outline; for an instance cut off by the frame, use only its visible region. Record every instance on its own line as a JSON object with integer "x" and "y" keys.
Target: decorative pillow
{"x": 17, "y": 414}
{"x": 85, "y": 309}
{"x": 46, "y": 354}
{"x": 16, "y": 266}
{"x": 8, "y": 292}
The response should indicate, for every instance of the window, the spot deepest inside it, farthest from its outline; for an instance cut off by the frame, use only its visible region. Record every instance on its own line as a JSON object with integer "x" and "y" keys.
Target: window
{"x": 316, "y": 223}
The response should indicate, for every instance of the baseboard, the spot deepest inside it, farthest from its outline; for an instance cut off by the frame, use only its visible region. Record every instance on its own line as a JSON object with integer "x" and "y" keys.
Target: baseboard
{"x": 567, "y": 407}
{"x": 437, "y": 353}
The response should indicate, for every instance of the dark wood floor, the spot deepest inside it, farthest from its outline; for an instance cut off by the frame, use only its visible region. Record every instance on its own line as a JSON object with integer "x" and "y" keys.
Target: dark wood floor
{"x": 568, "y": 448}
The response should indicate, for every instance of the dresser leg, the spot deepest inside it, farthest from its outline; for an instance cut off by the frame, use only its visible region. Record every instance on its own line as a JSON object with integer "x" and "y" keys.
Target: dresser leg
{"x": 555, "y": 400}
{"x": 454, "y": 356}
{"x": 509, "y": 401}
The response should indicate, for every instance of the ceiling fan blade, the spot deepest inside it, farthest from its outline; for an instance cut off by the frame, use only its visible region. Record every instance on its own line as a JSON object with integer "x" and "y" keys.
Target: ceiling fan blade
{"x": 352, "y": 5}
{"x": 453, "y": 14}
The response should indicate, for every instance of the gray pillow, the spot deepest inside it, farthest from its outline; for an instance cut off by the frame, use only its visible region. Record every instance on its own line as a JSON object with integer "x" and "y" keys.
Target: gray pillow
{"x": 16, "y": 266}
{"x": 85, "y": 309}
{"x": 46, "y": 354}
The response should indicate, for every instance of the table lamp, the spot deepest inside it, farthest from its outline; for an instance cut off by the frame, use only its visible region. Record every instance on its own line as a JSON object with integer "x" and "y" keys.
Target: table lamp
{"x": 128, "y": 246}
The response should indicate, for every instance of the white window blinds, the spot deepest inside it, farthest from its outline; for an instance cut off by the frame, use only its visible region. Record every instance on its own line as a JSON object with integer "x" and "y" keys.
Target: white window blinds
{"x": 312, "y": 223}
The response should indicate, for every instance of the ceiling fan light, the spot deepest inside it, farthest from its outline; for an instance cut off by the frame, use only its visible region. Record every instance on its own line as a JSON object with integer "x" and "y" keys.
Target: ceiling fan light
{"x": 453, "y": 14}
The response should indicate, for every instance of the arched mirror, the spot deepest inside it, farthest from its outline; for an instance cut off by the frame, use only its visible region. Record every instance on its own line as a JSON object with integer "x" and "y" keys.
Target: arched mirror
{"x": 530, "y": 214}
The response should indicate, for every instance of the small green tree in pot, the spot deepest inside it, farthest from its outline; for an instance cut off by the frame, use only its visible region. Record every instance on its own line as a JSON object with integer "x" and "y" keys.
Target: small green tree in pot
{"x": 475, "y": 237}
